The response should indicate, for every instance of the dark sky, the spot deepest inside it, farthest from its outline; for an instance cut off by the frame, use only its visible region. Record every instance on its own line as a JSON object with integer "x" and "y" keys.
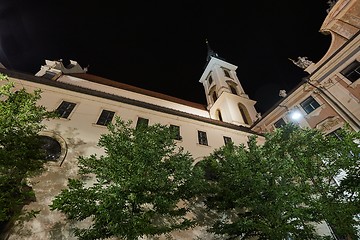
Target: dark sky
{"x": 160, "y": 45}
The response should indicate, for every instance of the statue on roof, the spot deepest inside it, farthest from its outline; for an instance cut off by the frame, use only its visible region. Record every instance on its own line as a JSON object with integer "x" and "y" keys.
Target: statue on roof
{"x": 331, "y": 4}
{"x": 302, "y": 62}
{"x": 282, "y": 93}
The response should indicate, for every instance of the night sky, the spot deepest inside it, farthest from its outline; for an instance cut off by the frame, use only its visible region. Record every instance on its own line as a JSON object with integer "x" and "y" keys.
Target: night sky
{"x": 160, "y": 45}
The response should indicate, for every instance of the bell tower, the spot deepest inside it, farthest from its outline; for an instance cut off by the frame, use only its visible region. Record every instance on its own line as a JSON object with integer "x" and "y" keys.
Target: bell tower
{"x": 226, "y": 98}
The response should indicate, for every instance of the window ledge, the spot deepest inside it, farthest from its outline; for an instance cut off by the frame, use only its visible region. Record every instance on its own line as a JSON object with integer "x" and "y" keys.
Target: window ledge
{"x": 354, "y": 84}
{"x": 63, "y": 119}
{"x": 316, "y": 112}
{"x": 98, "y": 125}
{"x": 202, "y": 145}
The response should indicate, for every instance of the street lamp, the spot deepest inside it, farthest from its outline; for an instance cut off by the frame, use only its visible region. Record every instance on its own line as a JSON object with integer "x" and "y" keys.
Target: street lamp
{"x": 295, "y": 114}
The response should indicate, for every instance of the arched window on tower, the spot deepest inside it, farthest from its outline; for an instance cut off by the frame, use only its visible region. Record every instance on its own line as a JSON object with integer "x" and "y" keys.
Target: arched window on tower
{"x": 244, "y": 114}
{"x": 227, "y": 72}
{"x": 214, "y": 96}
{"x": 232, "y": 87}
{"x": 210, "y": 79}
{"x": 218, "y": 115}
{"x": 233, "y": 90}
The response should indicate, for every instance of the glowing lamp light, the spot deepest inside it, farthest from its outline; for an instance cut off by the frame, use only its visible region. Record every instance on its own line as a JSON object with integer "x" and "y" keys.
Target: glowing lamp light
{"x": 295, "y": 115}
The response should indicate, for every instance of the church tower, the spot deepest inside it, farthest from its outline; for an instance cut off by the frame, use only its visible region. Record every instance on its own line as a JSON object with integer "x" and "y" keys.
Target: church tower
{"x": 226, "y": 99}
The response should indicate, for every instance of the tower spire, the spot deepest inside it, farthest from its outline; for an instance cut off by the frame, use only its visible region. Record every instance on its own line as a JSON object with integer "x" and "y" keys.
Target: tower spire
{"x": 210, "y": 52}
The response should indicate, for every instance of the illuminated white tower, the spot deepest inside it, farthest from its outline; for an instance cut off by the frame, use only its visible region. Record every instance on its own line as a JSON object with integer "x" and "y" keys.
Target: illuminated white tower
{"x": 225, "y": 96}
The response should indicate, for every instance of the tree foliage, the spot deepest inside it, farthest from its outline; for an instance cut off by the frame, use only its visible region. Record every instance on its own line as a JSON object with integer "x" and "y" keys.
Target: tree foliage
{"x": 143, "y": 186}
{"x": 281, "y": 188}
{"x": 20, "y": 153}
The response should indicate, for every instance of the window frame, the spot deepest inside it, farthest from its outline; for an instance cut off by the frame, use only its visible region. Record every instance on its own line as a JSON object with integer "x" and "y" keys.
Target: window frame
{"x": 175, "y": 129}
{"x": 352, "y": 71}
{"x": 227, "y": 140}
{"x": 105, "y": 120}
{"x": 65, "y": 111}
{"x": 202, "y": 138}
{"x": 279, "y": 123}
{"x": 309, "y": 102}
{"x": 243, "y": 113}
{"x": 142, "y": 122}
{"x": 49, "y": 75}
{"x": 335, "y": 133}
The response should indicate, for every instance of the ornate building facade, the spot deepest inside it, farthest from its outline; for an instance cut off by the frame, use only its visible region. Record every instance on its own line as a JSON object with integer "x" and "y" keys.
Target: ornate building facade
{"x": 329, "y": 96}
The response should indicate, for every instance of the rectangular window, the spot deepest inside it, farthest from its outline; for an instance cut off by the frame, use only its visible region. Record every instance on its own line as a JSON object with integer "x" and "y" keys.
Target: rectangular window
{"x": 142, "y": 122}
{"x": 105, "y": 117}
{"x": 309, "y": 105}
{"x": 65, "y": 109}
{"x": 336, "y": 134}
{"x": 352, "y": 72}
{"x": 176, "y": 131}
{"x": 49, "y": 75}
{"x": 279, "y": 123}
{"x": 202, "y": 138}
{"x": 227, "y": 140}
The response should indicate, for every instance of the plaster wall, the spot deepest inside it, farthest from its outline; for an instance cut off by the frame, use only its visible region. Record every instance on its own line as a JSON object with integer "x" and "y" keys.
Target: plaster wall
{"x": 80, "y": 135}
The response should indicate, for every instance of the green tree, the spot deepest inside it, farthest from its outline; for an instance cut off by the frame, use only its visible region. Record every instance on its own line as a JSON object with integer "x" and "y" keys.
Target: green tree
{"x": 278, "y": 190}
{"x": 348, "y": 192}
{"x": 143, "y": 187}
{"x": 20, "y": 153}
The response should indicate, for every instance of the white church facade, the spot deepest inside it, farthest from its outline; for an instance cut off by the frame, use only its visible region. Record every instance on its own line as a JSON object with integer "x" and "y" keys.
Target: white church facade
{"x": 86, "y": 103}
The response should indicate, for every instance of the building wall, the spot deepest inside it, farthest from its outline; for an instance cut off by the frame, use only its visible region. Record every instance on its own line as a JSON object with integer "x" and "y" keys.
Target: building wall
{"x": 132, "y": 95}
{"x": 88, "y": 108}
{"x": 79, "y": 134}
{"x": 342, "y": 23}
{"x": 338, "y": 97}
